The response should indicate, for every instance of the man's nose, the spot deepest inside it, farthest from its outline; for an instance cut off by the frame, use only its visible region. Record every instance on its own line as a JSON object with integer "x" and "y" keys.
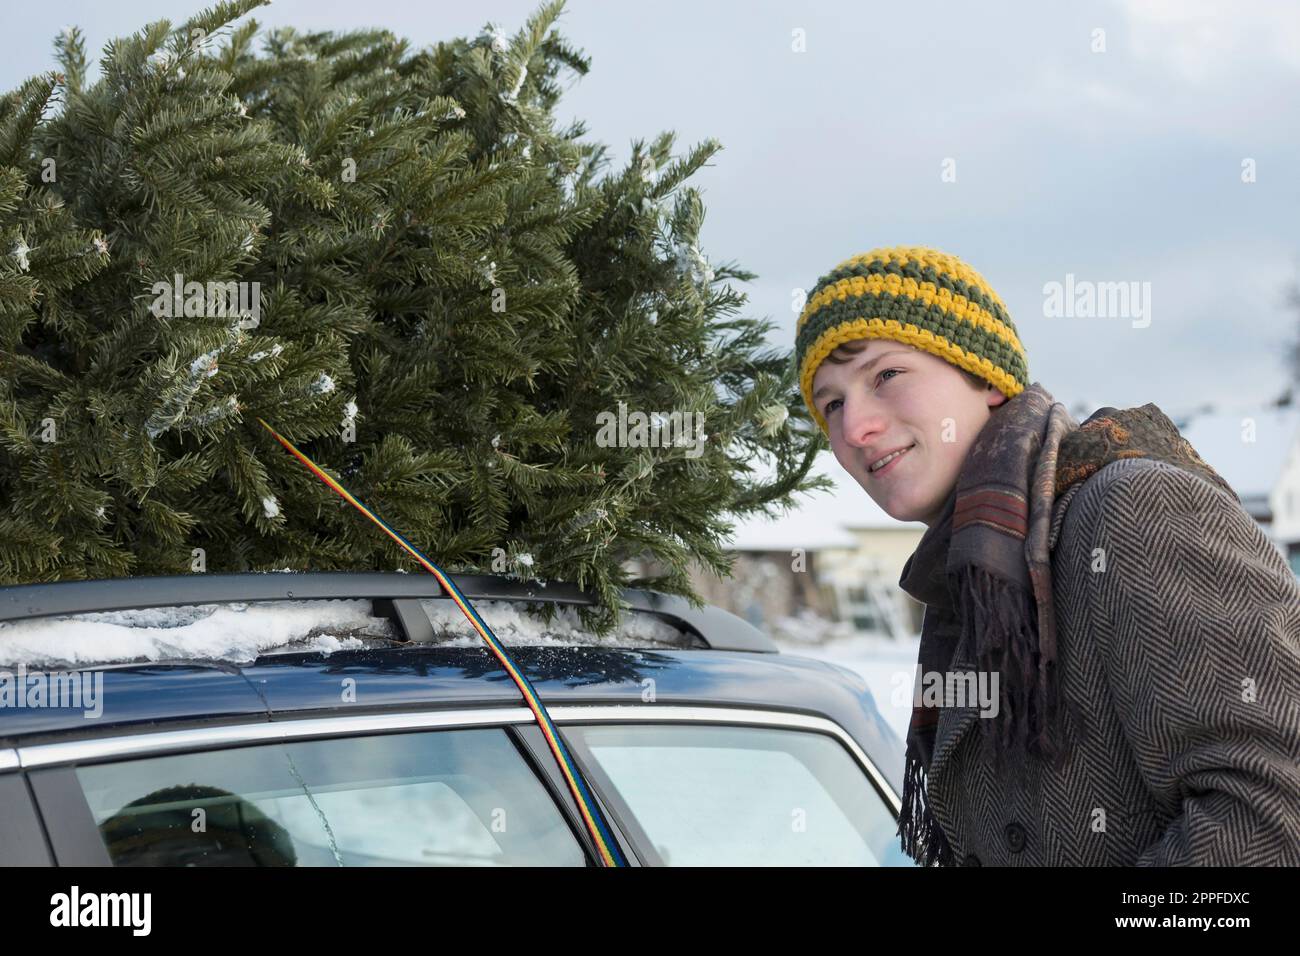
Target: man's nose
{"x": 862, "y": 420}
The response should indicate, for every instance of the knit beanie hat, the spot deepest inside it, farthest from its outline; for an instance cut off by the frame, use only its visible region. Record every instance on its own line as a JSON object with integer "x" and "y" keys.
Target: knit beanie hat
{"x": 918, "y": 296}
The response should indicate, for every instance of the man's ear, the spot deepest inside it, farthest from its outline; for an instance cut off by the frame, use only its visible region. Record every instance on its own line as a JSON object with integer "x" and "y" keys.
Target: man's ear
{"x": 995, "y": 397}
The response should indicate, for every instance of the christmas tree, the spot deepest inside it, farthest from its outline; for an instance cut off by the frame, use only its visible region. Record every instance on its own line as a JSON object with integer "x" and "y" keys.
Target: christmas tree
{"x": 516, "y": 355}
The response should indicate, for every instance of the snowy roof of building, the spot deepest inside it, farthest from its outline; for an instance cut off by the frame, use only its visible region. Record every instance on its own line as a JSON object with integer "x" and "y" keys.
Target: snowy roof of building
{"x": 1251, "y": 467}
{"x": 824, "y": 520}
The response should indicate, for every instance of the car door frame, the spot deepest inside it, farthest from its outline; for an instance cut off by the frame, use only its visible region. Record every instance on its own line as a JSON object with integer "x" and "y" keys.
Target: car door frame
{"x": 66, "y": 822}
{"x": 710, "y": 715}
{"x": 61, "y": 813}
{"x": 24, "y": 840}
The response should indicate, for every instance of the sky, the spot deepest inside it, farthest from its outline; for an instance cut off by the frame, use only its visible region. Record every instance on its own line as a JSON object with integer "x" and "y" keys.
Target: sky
{"x": 1106, "y": 141}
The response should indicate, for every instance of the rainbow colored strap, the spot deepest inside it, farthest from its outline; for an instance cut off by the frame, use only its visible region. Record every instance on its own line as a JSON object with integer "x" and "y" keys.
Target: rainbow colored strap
{"x": 610, "y": 855}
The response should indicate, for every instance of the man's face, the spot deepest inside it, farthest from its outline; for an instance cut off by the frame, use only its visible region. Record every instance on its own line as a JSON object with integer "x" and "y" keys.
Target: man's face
{"x": 891, "y": 396}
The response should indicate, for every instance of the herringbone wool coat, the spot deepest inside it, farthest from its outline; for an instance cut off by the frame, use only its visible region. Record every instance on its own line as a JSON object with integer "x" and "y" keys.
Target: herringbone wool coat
{"x": 1182, "y": 655}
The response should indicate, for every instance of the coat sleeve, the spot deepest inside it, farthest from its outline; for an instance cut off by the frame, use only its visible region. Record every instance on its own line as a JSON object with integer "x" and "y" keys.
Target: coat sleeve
{"x": 1198, "y": 617}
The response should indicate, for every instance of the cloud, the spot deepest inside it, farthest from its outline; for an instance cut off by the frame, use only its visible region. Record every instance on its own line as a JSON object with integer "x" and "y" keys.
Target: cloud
{"x": 1200, "y": 42}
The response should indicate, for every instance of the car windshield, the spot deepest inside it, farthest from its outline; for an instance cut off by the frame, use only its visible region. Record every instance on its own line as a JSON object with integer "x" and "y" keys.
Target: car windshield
{"x": 710, "y": 795}
{"x": 442, "y": 798}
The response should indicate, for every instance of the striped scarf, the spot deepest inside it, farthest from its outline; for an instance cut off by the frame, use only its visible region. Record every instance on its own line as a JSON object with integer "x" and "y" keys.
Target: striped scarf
{"x": 985, "y": 566}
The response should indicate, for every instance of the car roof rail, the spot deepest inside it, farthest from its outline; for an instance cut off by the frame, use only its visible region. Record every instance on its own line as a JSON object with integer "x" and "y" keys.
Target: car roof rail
{"x": 396, "y": 595}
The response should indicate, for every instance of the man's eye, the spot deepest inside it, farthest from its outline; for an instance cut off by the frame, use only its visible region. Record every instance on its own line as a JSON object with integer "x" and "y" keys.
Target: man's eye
{"x": 830, "y": 406}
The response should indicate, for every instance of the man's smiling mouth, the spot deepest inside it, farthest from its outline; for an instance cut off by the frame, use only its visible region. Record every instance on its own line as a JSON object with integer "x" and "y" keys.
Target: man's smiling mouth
{"x": 877, "y": 466}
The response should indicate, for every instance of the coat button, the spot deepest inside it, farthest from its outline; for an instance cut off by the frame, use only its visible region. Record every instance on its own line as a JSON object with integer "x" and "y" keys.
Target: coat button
{"x": 971, "y": 860}
{"x": 1015, "y": 837}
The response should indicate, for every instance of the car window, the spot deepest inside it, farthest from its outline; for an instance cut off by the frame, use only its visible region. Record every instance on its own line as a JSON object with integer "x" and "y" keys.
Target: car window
{"x": 708, "y": 795}
{"x": 443, "y": 798}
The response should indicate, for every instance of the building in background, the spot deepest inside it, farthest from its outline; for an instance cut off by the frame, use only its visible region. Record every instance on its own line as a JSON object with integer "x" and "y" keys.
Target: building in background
{"x": 828, "y": 570}
{"x": 1258, "y": 453}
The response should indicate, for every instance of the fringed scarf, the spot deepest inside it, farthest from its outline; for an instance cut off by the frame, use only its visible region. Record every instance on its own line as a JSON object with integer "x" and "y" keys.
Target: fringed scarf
{"x": 986, "y": 563}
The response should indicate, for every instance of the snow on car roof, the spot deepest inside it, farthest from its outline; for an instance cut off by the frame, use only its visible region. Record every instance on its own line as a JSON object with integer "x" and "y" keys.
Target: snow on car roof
{"x": 241, "y": 632}
{"x": 234, "y": 632}
{"x": 514, "y": 624}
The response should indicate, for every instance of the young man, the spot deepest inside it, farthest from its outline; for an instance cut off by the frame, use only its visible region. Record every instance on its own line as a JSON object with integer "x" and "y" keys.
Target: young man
{"x": 1138, "y": 631}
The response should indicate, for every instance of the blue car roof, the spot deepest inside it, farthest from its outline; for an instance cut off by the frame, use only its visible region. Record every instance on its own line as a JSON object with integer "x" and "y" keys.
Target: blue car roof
{"x": 732, "y": 663}
{"x": 141, "y": 697}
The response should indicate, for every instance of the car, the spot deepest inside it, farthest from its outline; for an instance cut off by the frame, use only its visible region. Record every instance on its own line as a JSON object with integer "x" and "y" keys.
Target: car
{"x": 358, "y": 719}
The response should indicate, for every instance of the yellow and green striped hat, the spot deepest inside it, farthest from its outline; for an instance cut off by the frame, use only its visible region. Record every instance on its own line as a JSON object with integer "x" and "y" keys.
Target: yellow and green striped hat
{"x": 915, "y": 295}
